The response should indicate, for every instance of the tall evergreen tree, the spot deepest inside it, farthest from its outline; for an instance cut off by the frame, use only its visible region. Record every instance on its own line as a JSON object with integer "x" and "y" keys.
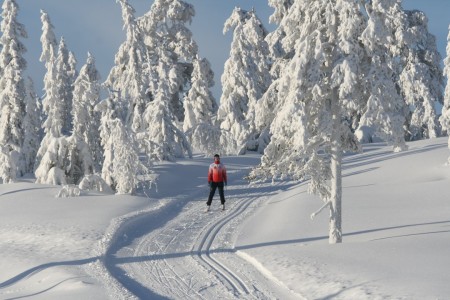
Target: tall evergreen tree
{"x": 12, "y": 91}
{"x": 421, "y": 79}
{"x": 32, "y": 127}
{"x": 48, "y": 42}
{"x": 445, "y": 117}
{"x": 200, "y": 111}
{"x": 130, "y": 73}
{"x": 165, "y": 140}
{"x": 165, "y": 28}
{"x": 246, "y": 76}
{"x": 53, "y": 156}
{"x": 86, "y": 152}
{"x": 64, "y": 80}
{"x": 383, "y": 39}
{"x": 199, "y": 103}
{"x": 317, "y": 96}
{"x": 121, "y": 168}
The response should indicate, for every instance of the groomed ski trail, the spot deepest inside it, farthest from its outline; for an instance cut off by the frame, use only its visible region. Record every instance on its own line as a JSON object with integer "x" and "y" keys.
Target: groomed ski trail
{"x": 189, "y": 253}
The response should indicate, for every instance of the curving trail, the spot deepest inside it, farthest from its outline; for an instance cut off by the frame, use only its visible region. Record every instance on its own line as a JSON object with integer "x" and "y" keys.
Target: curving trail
{"x": 191, "y": 255}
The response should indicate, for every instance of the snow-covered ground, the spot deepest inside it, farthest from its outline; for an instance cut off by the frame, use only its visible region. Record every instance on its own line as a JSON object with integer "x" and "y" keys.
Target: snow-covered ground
{"x": 396, "y": 220}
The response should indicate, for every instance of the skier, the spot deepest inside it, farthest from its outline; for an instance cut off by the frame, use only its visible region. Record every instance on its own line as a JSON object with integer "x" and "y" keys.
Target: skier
{"x": 217, "y": 178}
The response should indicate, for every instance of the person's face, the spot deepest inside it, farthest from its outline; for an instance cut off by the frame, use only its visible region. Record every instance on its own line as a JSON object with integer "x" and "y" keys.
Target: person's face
{"x": 216, "y": 158}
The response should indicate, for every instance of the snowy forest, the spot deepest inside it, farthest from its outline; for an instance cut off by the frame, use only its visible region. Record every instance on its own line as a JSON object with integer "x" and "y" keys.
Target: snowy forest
{"x": 332, "y": 76}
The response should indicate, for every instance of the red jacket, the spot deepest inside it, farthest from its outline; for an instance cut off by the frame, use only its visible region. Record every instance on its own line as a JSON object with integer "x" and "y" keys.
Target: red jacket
{"x": 217, "y": 172}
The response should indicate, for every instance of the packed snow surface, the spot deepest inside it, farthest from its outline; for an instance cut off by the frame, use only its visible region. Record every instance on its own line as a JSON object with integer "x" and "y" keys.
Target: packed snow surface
{"x": 396, "y": 222}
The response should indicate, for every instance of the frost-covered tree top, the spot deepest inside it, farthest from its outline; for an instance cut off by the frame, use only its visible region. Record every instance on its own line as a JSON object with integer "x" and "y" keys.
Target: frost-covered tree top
{"x": 129, "y": 76}
{"x": 281, "y": 9}
{"x": 165, "y": 25}
{"x": 48, "y": 39}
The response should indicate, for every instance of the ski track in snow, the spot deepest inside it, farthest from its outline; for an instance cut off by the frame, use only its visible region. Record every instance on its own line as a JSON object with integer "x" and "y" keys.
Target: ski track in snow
{"x": 191, "y": 255}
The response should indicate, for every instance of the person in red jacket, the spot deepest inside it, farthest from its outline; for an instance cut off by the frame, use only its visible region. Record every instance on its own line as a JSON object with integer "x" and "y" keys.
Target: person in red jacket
{"x": 217, "y": 178}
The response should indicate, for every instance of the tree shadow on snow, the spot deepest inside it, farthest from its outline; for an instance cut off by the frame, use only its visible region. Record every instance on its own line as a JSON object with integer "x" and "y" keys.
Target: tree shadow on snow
{"x": 40, "y": 268}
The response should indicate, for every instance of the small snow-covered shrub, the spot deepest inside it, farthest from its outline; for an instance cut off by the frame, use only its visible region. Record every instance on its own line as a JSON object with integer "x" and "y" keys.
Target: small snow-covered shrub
{"x": 367, "y": 134}
{"x": 94, "y": 182}
{"x": 68, "y": 191}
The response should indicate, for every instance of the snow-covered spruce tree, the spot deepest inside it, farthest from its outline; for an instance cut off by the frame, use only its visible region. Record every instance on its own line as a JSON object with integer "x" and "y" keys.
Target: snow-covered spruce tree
{"x": 52, "y": 156}
{"x": 130, "y": 73}
{"x": 245, "y": 78}
{"x": 281, "y": 8}
{"x": 12, "y": 91}
{"x": 165, "y": 27}
{"x": 32, "y": 127}
{"x": 421, "y": 79}
{"x": 445, "y": 117}
{"x": 319, "y": 92}
{"x": 281, "y": 43}
{"x": 48, "y": 42}
{"x": 63, "y": 80}
{"x": 199, "y": 103}
{"x": 122, "y": 170}
{"x": 383, "y": 39}
{"x": 72, "y": 67}
{"x": 200, "y": 108}
{"x": 86, "y": 153}
{"x": 164, "y": 140}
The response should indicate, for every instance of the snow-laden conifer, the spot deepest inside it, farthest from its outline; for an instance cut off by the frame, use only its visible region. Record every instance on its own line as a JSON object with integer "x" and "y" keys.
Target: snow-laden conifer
{"x": 52, "y": 156}
{"x": 164, "y": 141}
{"x": 32, "y": 127}
{"x": 130, "y": 73}
{"x": 86, "y": 152}
{"x": 122, "y": 170}
{"x": 12, "y": 91}
{"x": 245, "y": 78}
{"x": 72, "y": 68}
{"x": 445, "y": 117}
{"x": 63, "y": 80}
{"x": 383, "y": 39}
{"x": 165, "y": 27}
{"x": 200, "y": 108}
{"x": 281, "y": 8}
{"x": 48, "y": 40}
{"x": 319, "y": 91}
{"x": 199, "y": 103}
{"x": 421, "y": 79}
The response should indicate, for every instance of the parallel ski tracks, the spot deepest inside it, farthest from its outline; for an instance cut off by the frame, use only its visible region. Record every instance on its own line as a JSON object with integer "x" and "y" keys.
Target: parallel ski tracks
{"x": 203, "y": 249}
{"x": 192, "y": 256}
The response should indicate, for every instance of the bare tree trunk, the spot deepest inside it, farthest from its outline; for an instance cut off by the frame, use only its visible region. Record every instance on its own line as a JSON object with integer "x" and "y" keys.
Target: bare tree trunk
{"x": 335, "y": 234}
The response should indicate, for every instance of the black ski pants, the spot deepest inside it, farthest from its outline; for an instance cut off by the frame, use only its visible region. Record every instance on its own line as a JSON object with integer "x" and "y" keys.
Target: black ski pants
{"x": 212, "y": 191}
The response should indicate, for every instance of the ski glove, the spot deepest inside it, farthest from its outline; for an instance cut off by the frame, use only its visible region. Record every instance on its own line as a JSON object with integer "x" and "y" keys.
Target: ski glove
{"x": 225, "y": 183}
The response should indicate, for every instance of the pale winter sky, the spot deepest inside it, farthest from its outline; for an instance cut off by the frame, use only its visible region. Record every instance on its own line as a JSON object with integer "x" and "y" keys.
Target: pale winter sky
{"x": 96, "y": 26}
